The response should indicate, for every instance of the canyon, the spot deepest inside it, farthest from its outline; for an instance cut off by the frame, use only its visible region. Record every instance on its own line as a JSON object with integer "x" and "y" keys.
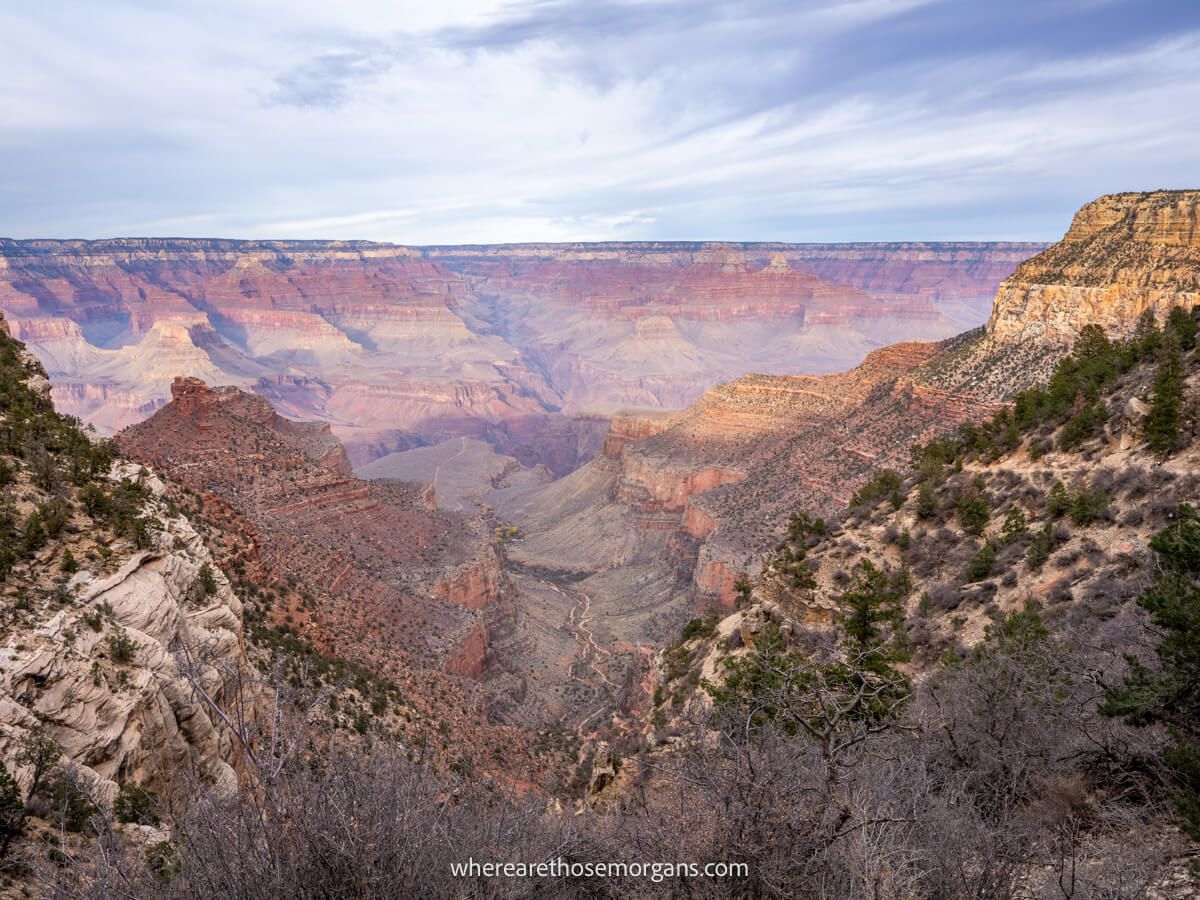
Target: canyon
{"x": 678, "y": 507}
{"x": 485, "y": 374}
{"x": 524, "y": 466}
{"x": 505, "y": 608}
{"x": 530, "y": 348}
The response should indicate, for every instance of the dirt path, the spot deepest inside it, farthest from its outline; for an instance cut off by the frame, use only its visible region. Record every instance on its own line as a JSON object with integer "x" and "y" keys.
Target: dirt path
{"x": 577, "y": 625}
{"x": 585, "y": 615}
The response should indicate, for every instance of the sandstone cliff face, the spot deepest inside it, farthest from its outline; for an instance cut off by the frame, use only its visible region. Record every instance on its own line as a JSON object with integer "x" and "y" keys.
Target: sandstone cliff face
{"x": 1123, "y": 254}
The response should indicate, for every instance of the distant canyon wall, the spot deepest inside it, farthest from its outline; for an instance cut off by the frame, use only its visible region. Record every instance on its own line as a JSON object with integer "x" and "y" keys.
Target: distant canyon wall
{"x": 523, "y": 346}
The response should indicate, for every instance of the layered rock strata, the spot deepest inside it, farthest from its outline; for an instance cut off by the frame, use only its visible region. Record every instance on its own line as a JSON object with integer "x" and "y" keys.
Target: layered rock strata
{"x": 392, "y": 574}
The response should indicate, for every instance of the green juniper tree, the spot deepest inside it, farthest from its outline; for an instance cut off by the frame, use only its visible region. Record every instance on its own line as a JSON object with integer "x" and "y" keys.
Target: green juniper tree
{"x": 12, "y": 811}
{"x": 1015, "y": 525}
{"x": 1058, "y": 501}
{"x": 982, "y": 562}
{"x": 1183, "y": 324}
{"x": 926, "y": 501}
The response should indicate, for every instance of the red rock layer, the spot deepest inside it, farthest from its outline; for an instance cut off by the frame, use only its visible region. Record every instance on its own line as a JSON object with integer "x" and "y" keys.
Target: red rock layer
{"x": 375, "y": 552}
{"x": 396, "y": 347}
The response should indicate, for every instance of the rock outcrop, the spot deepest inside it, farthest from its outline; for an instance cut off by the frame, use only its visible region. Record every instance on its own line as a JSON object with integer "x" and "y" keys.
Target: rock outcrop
{"x": 147, "y": 719}
{"x": 121, "y": 640}
{"x": 1123, "y": 254}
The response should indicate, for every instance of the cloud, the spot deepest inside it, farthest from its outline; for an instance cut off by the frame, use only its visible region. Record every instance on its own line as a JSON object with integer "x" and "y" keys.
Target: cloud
{"x": 326, "y": 79}
{"x": 470, "y": 120}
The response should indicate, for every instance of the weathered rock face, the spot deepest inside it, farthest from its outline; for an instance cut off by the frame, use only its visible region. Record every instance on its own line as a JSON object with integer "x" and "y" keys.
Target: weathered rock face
{"x": 109, "y": 650}
{"x": 1124, "y": 254}
{"x": 523, "y": 347}
{"x": 392, "y": 576}
{"x": 143, "y": 719}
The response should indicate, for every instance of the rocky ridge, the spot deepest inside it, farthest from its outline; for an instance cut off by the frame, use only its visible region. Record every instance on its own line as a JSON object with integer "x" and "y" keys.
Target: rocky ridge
{"x": 1123, "y": 254}
{"x": 391, "y": 573}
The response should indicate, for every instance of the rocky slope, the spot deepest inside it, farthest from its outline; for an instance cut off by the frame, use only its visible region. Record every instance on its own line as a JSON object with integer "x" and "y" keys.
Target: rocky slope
{"x": 391, "y": 574}
{"x": 396, "y": 347}
{"x": 976, "y": 613}
{"x": 362, "y": 588}
{"x": 121, "y": 636}
{"x": 1067, "y": 503}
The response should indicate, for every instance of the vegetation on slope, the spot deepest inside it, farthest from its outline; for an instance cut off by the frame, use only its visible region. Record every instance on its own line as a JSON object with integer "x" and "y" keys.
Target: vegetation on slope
{"x": 951, "y": 692}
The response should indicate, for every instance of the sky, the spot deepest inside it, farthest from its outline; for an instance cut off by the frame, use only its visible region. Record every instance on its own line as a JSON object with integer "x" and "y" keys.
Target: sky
{"x": 462, "y": 121}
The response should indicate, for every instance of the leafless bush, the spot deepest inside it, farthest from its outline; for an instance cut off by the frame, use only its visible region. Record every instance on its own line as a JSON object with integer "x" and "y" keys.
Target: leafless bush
{"x": 1067, "y": 557}
{"x": 1132, "y": 517}
{"x": 945, "y": 597}
{"x": 1133, "y": 481}
{"x": 350, "y": 824}
{"x": 979, "y": 594}
{"x": 1060, "y": 591}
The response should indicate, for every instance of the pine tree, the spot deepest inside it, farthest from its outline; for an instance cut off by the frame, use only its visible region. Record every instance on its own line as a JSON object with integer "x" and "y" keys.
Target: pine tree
{"x": 982, "y": 563}
{"x": 926, "y": 501}
{"x": 1146, "y": 335}
{"x": 874, "y": 607}
{"x": 1091, "y": 343}
{"x": 1014, "y": 526}
{"x": 1058, "y": 501}
{"x": 1040, "y": 547}
{"x": 1170, "y": 694}
{"x": 41, "y": 753}
{"x": 742, "y": 588}
{"x": 12, "y": 811}
{"x": 1162, "y": 429}
{"x": 1183, "y": 325}
{"x": 208, "y": 583}
{"x": 973, "y": 510}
